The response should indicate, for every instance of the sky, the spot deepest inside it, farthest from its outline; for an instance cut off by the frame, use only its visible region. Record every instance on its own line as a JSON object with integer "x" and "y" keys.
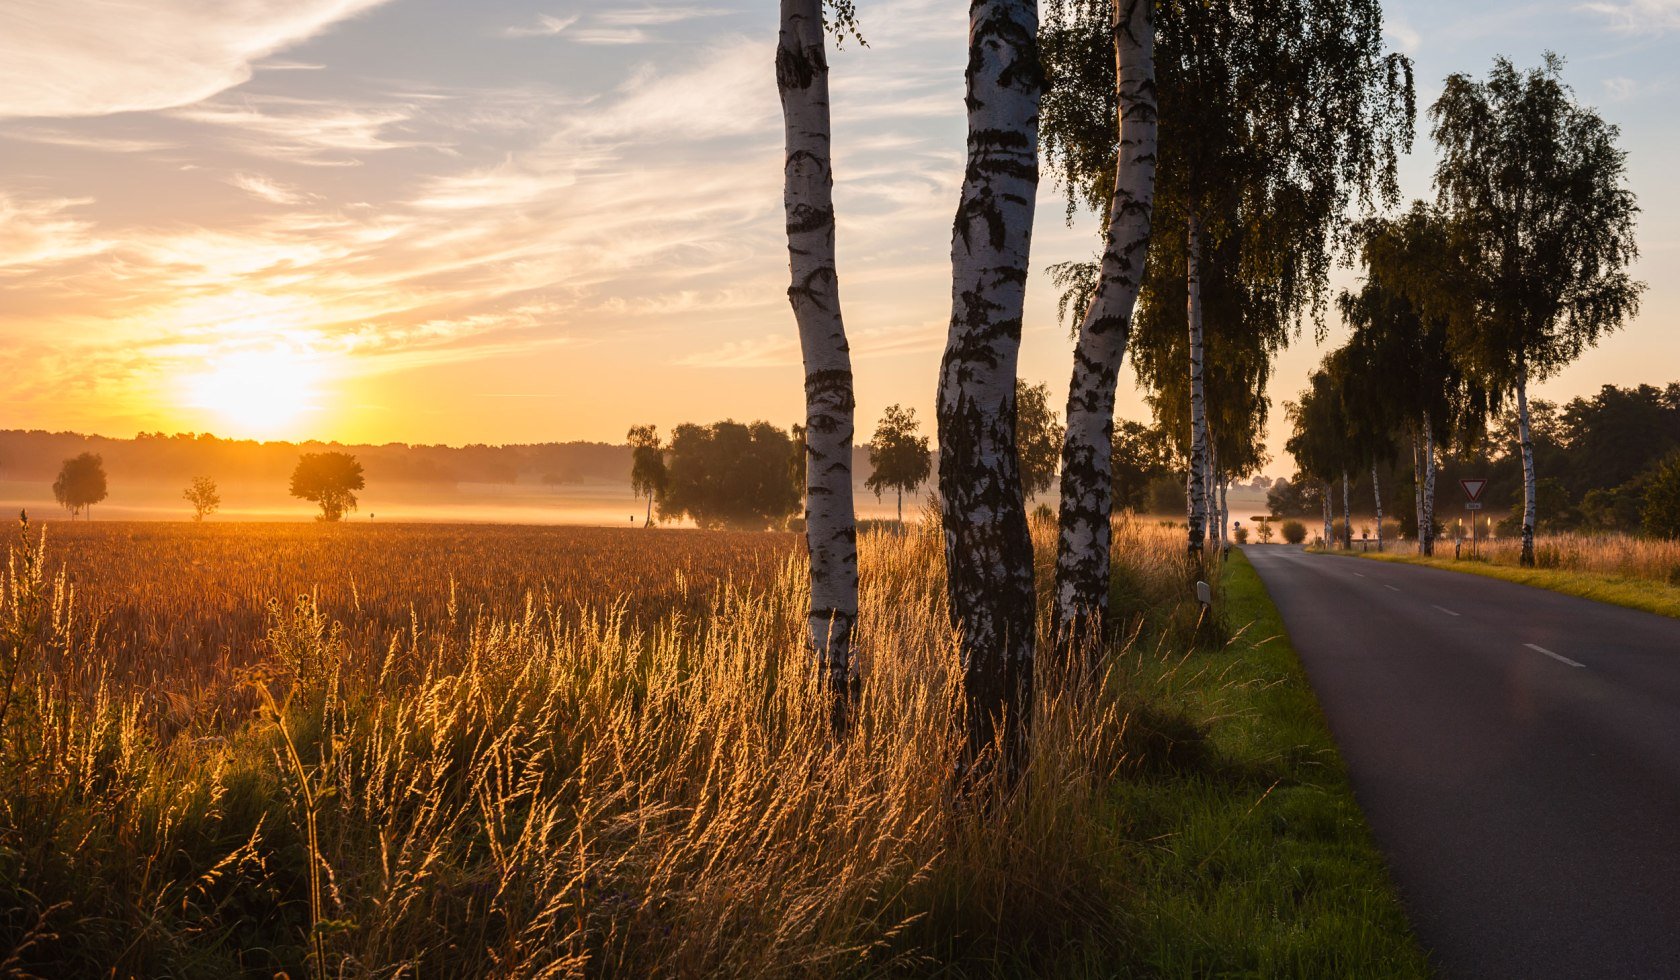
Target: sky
{"x": 427, "y": 221}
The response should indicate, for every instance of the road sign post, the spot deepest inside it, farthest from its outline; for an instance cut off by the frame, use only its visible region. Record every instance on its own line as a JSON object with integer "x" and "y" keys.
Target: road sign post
{"x": 1473, "y": 488}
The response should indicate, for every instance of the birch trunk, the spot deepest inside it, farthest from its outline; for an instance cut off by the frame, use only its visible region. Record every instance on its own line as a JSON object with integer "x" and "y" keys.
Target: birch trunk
{"x": 1376, "y": 492}
{"x": 988, "y": 550}
{"x": 1417, "y": 490}
{"x": 1347, "y": 514}
{"x": 1427, "y": 529}
{"x": 830, "y": 525}
{"x": 1211, "y": 481}
{"x": 1329, "y": 520}
{"x": 1197, "y": 489}
{"x": 1224, "y": 512}
{"x": 1087, "y": 504}
{"x": 1526, "y": 441}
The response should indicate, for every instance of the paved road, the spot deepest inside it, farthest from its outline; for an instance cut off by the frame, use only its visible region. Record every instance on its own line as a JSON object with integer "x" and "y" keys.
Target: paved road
{"x": 1517, "y": 753}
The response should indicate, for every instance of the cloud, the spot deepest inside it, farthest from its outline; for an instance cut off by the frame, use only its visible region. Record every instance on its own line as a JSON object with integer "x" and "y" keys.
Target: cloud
{"x": 322, "y": 132}
{"x": 38, "y": 234}
{"x": 547, "y": 25}
{"x": 265, "y": 189}
{"x": 1404, "y": 35}
{"x": 1638, "y": 16}
{"x": 782, "y": 350}
{"x": 97, "y": 57}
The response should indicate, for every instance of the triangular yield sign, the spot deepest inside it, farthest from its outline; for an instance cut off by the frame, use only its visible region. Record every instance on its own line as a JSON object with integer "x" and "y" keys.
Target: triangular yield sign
{"x": 1473, "y": 488}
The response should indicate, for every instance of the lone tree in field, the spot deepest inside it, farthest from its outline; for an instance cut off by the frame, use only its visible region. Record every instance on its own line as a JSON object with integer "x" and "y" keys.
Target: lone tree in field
{"x": 808, "y": 198}
{"x": 899, "y": 457}
{"x": 729, "y": 475}
{"x": 988, "y": 547}
{"x": 647, "y": 465}
{"x": 204, "y": 497}
{"x": 1038, "y": 437}
{"x": 1110, "y": 294}
{"x": 1534, "y": 184}
{"x": 80, "y": 484}
{"x": 329, "y": 479}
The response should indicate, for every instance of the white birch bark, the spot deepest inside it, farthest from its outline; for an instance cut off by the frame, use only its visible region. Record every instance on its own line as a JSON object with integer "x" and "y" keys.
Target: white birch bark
{"x": 1087, "y": 504}
{"x": 1329, "y": 519}
{"x": 1376, "y": 492}
{"x": 1347, "y": 514}
{"x": 1526, "y": 444}
{"x": 988, "y": 550}
{"x": 1224, "y": 512}
{"x": 1197, "y": 488}
{"x": 830, "y": 525}
{"x": 1427, "y": 528}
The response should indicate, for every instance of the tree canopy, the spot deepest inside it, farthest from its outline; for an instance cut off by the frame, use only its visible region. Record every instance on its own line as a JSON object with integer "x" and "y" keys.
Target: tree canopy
{"x": 899, "y": 456}
{"x": 732, "y": 475}
{"x": 1038, "y": 437}
{"x": 330, "y": 480}
{"x": 204, "y": 496}
{"x": 81, "y": 483}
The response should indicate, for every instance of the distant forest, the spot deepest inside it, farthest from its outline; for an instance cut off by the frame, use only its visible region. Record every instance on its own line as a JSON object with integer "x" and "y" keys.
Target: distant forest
{"x": 156, "y": 457}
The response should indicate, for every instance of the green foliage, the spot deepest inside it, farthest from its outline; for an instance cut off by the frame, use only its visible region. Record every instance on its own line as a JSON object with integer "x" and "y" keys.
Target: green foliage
{"x": 1038, "y": 437}
{"x": 1294, "y": 532}
{"x": 1541, "y": 219}
{"x": 204, "y": 496}
{"x": 80, "y": 483}
{"x": 1140, "y": 460}
{"x": 1662, "y": 500}
{"x": 732, "y": 475}
{"x": 329, "y": 479}
{"x": 899, "y": 457}
{"x": 1297, "y": 498}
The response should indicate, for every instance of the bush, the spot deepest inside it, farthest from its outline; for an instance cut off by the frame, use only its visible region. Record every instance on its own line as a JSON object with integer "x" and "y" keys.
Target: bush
{"x": 1662, "y": 500}
{"x": 1294, "y": 532}
{"x": 1241, "y": 534}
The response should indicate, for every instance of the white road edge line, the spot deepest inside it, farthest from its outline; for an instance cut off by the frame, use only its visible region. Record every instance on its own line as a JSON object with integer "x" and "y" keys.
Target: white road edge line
{"x": 1555, "y": 656}
{"x": 1444, "y": 609}
{"x": 1387, "y": 586}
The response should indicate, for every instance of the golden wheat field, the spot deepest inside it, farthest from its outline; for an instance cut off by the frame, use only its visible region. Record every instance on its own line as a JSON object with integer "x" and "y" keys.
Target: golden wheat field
{"x": 517, "y": 752}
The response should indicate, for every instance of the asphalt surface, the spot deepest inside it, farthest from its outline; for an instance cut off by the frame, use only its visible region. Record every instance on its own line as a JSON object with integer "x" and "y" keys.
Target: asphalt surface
{"x": 1516, "y": 752}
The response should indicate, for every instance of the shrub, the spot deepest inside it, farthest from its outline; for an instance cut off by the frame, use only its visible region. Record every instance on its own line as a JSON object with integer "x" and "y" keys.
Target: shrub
{"x": 1294, "y": 532}
{"x": 1662, "y": 500}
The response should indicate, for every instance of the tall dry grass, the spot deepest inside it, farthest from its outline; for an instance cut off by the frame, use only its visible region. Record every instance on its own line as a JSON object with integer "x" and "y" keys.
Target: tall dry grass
{"x": 1603, "y": 554}
{"x": 545, "y": 787}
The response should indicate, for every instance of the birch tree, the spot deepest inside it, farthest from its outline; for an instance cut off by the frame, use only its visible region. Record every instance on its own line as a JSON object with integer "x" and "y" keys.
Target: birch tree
{"x": 808, "y": 194}
{"x": 1085, "y": 527}
{"x": 1534, "y": 185}
{"x": 988, "y": 549}
{"x": 1274, "y": 119}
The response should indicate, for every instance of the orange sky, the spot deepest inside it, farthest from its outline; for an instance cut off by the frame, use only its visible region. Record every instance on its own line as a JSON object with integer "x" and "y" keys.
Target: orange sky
{"x": 505, "y": 222}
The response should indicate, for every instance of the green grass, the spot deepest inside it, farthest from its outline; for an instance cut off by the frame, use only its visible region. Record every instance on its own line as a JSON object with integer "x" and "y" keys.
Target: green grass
{"x": 1251, "y": 855}
{"x": 1649, "y": 595}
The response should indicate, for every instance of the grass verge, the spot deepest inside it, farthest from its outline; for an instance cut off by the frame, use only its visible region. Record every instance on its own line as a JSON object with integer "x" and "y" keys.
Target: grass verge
{"x": 1251, "y": 855}
{"x": 1651, "y": 596}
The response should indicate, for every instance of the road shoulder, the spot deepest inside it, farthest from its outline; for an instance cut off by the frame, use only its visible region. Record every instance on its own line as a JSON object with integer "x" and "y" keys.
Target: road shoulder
{"x": 1647, "y": 595}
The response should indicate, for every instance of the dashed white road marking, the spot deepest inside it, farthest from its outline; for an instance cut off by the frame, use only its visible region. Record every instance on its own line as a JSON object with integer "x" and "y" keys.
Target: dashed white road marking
{"x": 1360, "y": 574}
{"x": 1555, "y": 656}
{"x": 1390, "y": 588}
{"x": 1449, "y": 612}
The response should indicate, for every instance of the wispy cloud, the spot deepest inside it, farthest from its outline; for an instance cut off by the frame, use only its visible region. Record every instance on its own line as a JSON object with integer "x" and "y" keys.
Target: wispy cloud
{"x": 546, "y": 25}
{"x": 324, "y": 132}
{"x": 1638, "y": 16}
{"x": 103, "y": 56}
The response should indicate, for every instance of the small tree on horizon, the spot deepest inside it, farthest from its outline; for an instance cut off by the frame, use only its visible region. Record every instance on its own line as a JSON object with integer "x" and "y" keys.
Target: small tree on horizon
{"x": 899, "y": 458}
{"x": 81, "y": 484}
{"x": 330, "y": 480}
{"x": 647, "y": 466}
{"x": 204, "y": 497}
{"x": 1038, "y": 438}
{"x": 1662, "y": 500}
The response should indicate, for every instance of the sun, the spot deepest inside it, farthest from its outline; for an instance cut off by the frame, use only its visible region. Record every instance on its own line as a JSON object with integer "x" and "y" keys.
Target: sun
{"x": 258, "y": 393}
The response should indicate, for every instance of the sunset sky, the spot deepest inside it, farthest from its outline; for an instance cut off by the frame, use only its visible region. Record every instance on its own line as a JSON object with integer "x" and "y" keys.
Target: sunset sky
{"x": 434, "y": 221}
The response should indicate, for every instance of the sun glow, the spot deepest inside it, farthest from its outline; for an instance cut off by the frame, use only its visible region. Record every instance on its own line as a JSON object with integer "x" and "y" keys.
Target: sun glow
{"x": 258, "y": 393}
